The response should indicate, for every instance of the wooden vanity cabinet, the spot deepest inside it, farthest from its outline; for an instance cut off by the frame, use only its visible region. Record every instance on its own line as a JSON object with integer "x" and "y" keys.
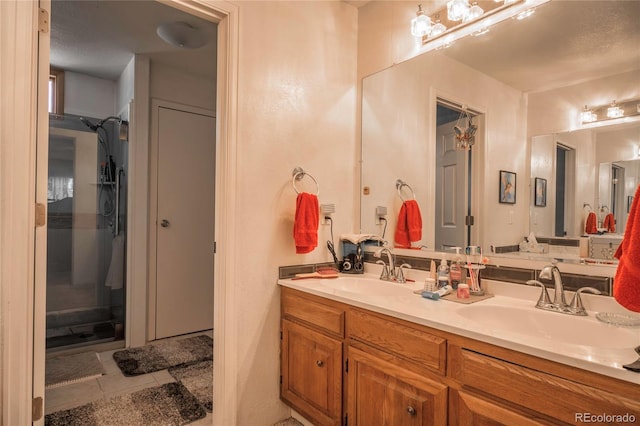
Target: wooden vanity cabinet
{"x": 341, "y": 363}
{"x": 312, "y": 357}
{"x": 381, "y": 393}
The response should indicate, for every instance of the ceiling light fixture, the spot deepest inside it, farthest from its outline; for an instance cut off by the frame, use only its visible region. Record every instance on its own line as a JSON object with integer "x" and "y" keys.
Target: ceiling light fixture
{"x": 181, "y": 34}
{"x": 421, "y": 24}
{"x": 438, "y": 28}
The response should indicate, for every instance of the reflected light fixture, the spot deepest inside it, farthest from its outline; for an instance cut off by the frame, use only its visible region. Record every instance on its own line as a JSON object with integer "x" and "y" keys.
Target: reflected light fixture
{"x": 588, "y": 116}
{"x": 457, "y": 10}
{"x": 525, "y": 14}
{"x": 474, "y": 12}
{"x": 181, "y": 34}
{"x": 614, "y": 111}
{"x": 421, "y": 24}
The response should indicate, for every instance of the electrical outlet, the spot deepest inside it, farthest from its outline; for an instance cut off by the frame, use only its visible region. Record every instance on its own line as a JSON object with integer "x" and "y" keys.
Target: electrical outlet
{"x": 326, "y": 210}
{"x": 381, "y": 212}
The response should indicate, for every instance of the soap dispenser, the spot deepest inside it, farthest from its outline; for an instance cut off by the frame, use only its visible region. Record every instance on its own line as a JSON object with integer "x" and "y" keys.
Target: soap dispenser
{"x": 443, "y": 274}
{"x": 455, "y": 272}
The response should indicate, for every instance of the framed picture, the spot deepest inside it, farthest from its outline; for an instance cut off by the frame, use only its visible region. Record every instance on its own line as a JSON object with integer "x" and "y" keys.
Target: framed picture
{"x": 540, "y": 198}
{"x": 507, "y": 187}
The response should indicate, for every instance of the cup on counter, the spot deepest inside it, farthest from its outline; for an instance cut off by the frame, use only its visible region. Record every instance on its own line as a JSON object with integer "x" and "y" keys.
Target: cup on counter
{"x": 430, "y": 284}
{"x": 463, "y": 291}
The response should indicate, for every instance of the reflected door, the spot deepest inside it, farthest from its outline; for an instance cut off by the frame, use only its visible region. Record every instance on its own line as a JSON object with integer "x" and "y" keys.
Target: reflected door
{"x": 451, "y": 192}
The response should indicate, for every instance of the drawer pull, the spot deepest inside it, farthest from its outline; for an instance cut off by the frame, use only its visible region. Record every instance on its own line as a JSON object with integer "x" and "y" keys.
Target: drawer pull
{"x": 411, "y": 411}
{"x": 319, "y": 363}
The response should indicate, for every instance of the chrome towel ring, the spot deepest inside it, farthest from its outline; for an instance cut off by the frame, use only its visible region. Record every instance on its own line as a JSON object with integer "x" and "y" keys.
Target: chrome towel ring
{"x": 401, "y": 184}
{"x": 298, "y": 173}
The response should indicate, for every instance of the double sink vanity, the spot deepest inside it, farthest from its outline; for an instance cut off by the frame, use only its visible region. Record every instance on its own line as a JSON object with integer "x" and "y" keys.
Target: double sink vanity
{"x": 360, "y": 351}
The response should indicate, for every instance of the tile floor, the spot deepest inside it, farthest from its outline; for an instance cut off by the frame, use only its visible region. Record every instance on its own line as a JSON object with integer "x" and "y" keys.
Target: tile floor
{"x": 112, "y": 383}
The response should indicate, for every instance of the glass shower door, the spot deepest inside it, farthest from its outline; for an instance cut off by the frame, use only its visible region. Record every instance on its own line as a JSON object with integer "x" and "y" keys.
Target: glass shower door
{"x": 85, "y": 275}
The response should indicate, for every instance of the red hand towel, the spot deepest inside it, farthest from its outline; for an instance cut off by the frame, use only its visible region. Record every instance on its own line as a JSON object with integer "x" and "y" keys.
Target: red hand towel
{"x": 305, "y": 226}
{"x": 591, "y": 226}
{"x": 626, "y": 284}
{"x": 609, "y": 223}
{"x": 409, "y": 226}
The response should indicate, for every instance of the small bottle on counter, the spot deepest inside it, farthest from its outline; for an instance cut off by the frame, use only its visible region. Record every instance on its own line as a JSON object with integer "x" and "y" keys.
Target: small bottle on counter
{"x": 463, "y": 291}
{"x": 430, "y": 284}
{"x": 455, "y": 271}
{"x": 443, "y": 274}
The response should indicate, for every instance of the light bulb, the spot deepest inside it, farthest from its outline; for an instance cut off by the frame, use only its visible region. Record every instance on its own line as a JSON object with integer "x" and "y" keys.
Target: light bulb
{"x": 588, "y": 116}
{"x": 614, "y": 111}
{"x": 457, "y": 10}
{"x": 474, "y": 12}
{"x": 421, "y": 24}
{"x": 438, "y": 28}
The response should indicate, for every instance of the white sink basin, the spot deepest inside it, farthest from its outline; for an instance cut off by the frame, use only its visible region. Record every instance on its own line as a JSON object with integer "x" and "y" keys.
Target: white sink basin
{"x": 367, "y": 286}
{"x": 541, "y": 324}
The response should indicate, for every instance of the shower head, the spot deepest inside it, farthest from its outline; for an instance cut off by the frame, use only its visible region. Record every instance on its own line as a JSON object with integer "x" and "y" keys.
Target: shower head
{"x": 87, "y": 123}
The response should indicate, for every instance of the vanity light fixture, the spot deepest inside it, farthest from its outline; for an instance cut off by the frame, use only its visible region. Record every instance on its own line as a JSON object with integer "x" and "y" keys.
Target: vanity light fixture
{"x": 588, "y": 116}
{"x": 457, "y": 10}
{"x": 614, "y": 111}
{"x": 421, "y": 24}
{"x": 462, "y": 19}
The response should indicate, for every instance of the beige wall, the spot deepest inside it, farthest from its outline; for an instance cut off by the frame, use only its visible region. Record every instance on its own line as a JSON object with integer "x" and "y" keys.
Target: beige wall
{"x": 297, "y": 77}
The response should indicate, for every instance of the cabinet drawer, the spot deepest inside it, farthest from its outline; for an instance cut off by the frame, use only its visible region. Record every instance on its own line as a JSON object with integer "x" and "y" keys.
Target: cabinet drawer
{"x": 545, "y": 393}
{"x": 310, "y": 310}
{"x": 404, "y": 340}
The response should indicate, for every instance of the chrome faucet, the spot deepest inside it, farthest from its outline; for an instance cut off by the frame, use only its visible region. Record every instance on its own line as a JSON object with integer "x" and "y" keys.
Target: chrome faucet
{"x": 388, "y": 271}
{"x": 547, "y": 273}
{"x": 559, "y": 303}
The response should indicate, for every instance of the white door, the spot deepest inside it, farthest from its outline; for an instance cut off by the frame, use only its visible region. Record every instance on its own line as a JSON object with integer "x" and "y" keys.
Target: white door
{"x": 185, "y": 222}
{"x": 451, "y": 193}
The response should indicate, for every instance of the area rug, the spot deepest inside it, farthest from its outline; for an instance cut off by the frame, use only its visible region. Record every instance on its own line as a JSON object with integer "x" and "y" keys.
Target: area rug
{"x": 198, "y": 379}
{"x": 67, "y": 369}
{"x": 164, "y": 354}
{"x": 168, "y": 405}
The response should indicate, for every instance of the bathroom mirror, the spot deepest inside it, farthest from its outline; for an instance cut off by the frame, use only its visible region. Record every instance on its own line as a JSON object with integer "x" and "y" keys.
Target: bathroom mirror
{"x": 499, "y": 74}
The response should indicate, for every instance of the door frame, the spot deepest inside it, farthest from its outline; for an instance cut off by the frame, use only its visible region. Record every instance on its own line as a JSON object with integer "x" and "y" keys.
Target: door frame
{"x": 156, "y": 104}
{"x": 24, "y": 122}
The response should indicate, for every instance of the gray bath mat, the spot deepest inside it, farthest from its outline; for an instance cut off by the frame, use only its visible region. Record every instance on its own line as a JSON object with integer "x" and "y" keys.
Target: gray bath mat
{"x": 164, "y": 354}
{"x": 198, "y": 379}
{"x": 67, "y": 369}
{"x": 168, "y": 405}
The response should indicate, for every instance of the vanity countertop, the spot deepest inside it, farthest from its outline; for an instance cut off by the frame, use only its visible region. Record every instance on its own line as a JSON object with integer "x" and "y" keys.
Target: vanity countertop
{"x": 399, "y": 300}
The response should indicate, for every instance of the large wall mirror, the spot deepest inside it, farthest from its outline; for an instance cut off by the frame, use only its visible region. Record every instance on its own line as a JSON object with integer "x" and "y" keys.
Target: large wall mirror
{"x": 527, "y": 81}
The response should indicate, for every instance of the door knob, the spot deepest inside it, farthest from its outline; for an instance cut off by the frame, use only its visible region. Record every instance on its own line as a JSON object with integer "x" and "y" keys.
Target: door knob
{"x": 165, "y": 223}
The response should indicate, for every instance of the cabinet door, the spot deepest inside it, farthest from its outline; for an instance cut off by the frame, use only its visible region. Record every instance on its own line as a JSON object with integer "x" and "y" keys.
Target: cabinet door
{"x": 312, "y": 373}
{"x": 385, "y": 394}
{"x": 472, "y": 410}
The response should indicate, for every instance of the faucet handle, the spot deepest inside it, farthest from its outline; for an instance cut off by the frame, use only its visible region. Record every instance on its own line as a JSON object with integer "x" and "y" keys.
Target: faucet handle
{"x": 384, "y": 275}
{"x": 400, "y": 275}
{"x": 544, "y": 299}
{"x": 576, "y": 303}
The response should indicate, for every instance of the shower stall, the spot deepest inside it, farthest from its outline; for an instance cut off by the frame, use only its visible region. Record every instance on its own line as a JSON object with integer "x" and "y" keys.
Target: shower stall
{"x": 86, "y": 231}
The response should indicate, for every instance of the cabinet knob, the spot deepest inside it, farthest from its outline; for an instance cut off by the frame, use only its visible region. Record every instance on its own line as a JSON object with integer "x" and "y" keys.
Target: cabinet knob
{"x": 165, "y": 223}
{"x": 319, "y": 363}
{"x": 411, "y": 411}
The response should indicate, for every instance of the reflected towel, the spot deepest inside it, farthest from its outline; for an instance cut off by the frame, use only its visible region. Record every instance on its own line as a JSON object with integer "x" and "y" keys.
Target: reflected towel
{"x": 626, "y": 284}
{"x": 305, "y": 226}
{"x": 409, "y": 226}
{"x": 591, "y": 226}
{"x": 115, "y": 276}
{"x": 609, "y": 223}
